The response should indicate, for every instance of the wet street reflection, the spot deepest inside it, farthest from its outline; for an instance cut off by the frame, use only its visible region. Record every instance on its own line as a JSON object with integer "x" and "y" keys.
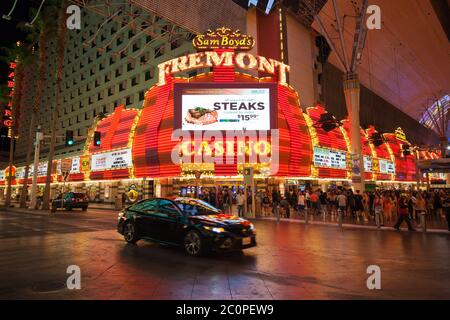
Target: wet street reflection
{"x": 291, "y": 261}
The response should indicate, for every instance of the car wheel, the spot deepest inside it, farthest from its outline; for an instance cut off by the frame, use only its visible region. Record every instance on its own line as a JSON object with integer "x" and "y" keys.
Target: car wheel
{"x": 129, "y": 232}
{"x": 193, "y": 243}
{"x": 84, "y": 208}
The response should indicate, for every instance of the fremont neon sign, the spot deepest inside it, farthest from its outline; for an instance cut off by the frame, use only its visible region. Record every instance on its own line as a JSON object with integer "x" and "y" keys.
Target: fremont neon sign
{"x": 242, "y": 60}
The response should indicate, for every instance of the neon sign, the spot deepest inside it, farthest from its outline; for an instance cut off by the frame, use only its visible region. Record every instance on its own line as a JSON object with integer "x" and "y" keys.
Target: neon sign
{"x": 242, "y": 60}
{"x": 229, "y": 148}
{"x": 223, "y": 38}
{"x": 7, "y": 113}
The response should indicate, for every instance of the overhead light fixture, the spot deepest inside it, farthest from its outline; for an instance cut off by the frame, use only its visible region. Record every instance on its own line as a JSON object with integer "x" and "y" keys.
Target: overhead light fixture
{"x": 327, "y": 122}
{"x": 377, "y": 139}
{"x": 30, "y": 24}
{"x": 101, "y": 116}
{"x": 406, "y": 150}
{"x": 8, "y": 16}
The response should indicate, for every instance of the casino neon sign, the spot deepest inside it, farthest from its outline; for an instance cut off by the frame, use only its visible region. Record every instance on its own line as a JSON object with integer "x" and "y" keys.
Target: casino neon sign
{"x": 220, "y": 148}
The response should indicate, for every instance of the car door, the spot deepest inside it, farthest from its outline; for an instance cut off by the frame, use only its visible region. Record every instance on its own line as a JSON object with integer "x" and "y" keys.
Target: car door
{"x": 57, "y": 201}
{"x": 67, "y": 199}
{"x": 144, "y": 217}
{"x": 169, "y": 223}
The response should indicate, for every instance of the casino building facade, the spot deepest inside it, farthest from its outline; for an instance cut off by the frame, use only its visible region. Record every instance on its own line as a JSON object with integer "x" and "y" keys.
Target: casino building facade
{"x": 134, "y": 76}
{"x": 139, "y": 147}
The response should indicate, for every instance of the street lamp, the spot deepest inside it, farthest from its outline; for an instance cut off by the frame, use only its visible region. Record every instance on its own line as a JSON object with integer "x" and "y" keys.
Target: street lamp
{"x": 8, "y": 16}
{"x": 37, "y": 148}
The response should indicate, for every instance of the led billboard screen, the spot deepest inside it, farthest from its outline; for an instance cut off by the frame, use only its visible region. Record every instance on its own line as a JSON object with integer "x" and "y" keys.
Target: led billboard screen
{"x": 224, "y": 107}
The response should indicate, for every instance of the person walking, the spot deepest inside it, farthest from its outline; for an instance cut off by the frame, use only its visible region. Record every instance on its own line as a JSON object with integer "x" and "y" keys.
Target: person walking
{"x": 249, "y": 202}
{"x": 301, "y": 202}
{"x": 403, "y": 214}
{"x": 284, "y": 204}
{"x": 359, "y": 207}
{"x": 371, "y": 200}
{"x": 276, "y": 198}
{"x": 226, "y": 201}
{"x": 212, "y": 198}
{"x": 332, "y": 203}
{"x": 266, "y": 203}
{"x": 394, "y": 212}
{"x": 351, "y": 202}
{"x": 366, "y": 203}
{"x": 446, "y": 207}
{"x": 323, "y": 202}
{"x": 420, "y": 208}
{"x": 240, "y": 199}
{"x": 437, "y": 204}
{"x": 219, "y": 199}
{"x": 258, "y": 203}
{"x": 378, "y": 208}
{"x": 308, "y": 200}
{"x": 230, "y": 197}
{"x": 314, "y": 203}
{"x": 342, "y": 202}
{"x": 387, "y": 207}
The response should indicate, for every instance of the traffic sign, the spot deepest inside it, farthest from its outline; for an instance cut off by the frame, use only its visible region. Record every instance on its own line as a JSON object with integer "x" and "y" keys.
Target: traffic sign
{"x": 66, "y": 165}
{"x": 248, "y": 175}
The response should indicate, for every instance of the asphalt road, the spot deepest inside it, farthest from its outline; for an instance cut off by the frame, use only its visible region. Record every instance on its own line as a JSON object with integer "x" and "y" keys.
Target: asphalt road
{"x": 291, "y": 261}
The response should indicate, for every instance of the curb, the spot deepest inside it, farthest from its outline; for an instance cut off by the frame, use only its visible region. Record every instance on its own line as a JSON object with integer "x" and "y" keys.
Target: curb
{"x": 344, "y": 225}
{"x": 42, "y": 213}
{"x": 352, "y": 226}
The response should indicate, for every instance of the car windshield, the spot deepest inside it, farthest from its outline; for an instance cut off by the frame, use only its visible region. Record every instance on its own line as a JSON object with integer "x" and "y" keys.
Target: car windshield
{"x": 196, "y": 207}
{"x": 79, "y": 195}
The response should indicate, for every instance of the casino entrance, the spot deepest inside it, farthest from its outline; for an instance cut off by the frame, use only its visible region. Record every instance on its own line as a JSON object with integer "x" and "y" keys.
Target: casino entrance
{"x": 186, "y": 186}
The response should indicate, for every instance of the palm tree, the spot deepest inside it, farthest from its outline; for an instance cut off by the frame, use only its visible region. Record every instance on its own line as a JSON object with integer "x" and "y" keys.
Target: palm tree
{"x": 40, "y": 32}
{"x": 61, "y": 33}
{"x": 23, "y": 56}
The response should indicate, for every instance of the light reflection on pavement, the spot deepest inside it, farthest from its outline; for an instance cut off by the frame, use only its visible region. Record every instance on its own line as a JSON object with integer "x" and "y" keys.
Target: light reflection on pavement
{"x": 291, "y": 261}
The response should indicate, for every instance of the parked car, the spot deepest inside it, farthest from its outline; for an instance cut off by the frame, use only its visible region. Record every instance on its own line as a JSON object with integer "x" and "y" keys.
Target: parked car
{"x": 191, "y": 223}
{"x": 71, "y": 200}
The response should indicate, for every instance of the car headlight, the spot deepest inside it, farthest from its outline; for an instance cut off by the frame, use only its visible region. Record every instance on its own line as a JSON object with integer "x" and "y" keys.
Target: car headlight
{"x": 214, "y": 229}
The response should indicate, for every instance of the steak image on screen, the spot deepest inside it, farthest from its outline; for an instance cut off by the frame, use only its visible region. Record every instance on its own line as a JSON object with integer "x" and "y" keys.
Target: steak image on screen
{"x": 201, "y": 116}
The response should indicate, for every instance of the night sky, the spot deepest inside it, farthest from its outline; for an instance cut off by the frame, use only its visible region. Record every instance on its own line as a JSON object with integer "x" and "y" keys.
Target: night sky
{"x": 9, "y": 33}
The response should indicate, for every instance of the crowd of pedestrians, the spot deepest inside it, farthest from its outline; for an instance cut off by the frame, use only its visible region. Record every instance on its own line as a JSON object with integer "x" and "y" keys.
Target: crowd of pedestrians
{"x": 388, "y": 206}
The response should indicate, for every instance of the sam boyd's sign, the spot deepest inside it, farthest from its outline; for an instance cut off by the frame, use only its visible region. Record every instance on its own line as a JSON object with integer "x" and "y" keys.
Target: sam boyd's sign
{"x": 223, "y": 38}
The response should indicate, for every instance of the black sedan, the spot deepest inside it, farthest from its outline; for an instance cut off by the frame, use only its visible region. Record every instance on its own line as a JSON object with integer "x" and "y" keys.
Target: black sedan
{"x": 71, "y": 200}
{"x": 191, "y": 223}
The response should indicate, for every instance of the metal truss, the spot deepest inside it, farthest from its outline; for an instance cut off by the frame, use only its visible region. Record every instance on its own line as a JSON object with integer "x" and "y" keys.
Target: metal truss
{"x": 132, "y": 17}
{"x": 437, "y": 114}
{"x": 308, "y": 11}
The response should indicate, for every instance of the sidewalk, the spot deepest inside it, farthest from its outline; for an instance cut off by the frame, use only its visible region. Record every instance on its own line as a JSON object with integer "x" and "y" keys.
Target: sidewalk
{"x": 432, "y": 226}
{"x": 92, "y": 205}
{"x": 317, "y": 221}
